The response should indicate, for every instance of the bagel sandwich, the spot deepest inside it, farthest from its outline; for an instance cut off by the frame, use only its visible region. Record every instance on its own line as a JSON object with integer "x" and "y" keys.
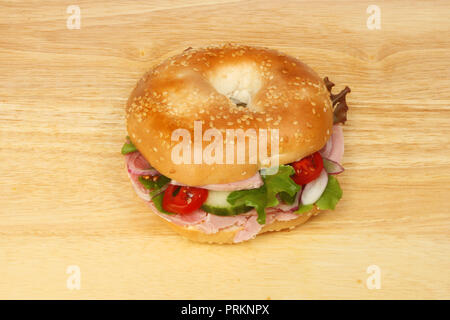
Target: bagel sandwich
{"x": 228, "y": 142}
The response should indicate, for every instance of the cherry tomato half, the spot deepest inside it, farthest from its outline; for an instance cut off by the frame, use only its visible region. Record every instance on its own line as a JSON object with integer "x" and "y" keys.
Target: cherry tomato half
{"x": 183, "y": 200}
{"x": 307, "y": 169}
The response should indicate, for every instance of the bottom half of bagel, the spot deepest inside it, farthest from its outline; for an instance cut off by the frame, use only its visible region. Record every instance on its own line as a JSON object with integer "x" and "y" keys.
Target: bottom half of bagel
{"x": 228, "y": 235}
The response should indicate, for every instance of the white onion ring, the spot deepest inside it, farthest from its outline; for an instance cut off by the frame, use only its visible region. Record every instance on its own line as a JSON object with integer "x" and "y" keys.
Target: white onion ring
{"x": 313, "y": 190}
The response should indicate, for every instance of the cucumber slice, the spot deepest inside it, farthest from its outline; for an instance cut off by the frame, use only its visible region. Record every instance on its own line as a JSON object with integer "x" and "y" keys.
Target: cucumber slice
{"x": 217, "y": 204}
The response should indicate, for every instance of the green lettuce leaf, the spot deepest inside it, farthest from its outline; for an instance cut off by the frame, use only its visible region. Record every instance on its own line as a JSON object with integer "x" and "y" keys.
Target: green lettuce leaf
{"x": 256, "y": 198}
{"x": 304, "y": 208}
{"x": 331, "y": 195}
{"x": 286, "y": 198}
{"x": 265, "y": 196}
{"x": 157, "y": 200}
{"x": 128, "y": 147}
{"x": 280, "y": 182}
{"x": 155, "y": 186}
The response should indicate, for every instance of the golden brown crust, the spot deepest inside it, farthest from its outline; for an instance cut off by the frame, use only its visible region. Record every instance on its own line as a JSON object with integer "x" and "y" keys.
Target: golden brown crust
{"x": 226, "y": 236}
{"x": 283, "y": 94}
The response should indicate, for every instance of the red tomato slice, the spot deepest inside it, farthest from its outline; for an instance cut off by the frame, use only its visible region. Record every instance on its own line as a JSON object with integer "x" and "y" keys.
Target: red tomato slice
{"x": 307, "y": 169}
{"x": 183, "y": 200}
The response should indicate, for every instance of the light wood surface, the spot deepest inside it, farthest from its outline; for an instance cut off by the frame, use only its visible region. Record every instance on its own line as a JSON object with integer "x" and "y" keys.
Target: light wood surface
{"x": 65, "y": 198}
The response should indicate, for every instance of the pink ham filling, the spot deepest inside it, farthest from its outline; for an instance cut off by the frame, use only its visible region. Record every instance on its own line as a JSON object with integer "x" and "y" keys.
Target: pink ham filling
{"x": 210, "y": 223}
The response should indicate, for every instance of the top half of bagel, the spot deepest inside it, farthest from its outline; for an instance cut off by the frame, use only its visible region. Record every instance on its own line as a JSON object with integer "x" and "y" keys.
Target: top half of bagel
{"x": 228, "y": 87}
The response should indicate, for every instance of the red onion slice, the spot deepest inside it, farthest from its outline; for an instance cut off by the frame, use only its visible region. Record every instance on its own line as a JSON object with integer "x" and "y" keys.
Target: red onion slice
{"x": 332, "y": 167}
{"x": 137, "y": 164}
{"x": 334, "y": 148}
{"x": 313, "y": 190}
{"x": 326, "y": 150}
{"x": 337, "y": 138}
{"x": 141, "y": 191}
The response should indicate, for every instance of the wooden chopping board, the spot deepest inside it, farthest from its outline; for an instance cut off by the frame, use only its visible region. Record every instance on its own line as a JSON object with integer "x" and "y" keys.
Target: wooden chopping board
{"x": 65, "y": 198}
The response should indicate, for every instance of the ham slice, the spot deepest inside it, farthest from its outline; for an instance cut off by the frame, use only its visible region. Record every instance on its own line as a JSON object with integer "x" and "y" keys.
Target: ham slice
{"x": 251, "y": 229}
{"x": 286, "y": 216}
{"x": 250, "y": 183}
{"x": 270, "y": 216}
{"x": 155, "y": 210}
{"x": 193, "y": 218}
{"x": 213, "y": 223}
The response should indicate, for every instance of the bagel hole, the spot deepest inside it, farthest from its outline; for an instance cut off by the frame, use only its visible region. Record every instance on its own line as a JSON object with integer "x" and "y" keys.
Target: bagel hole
{"x": 238, "y": 82}
{"x": 238, "y": 103}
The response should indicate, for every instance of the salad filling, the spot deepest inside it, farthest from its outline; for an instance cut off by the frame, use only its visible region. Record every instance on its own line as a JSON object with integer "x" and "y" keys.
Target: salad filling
{"x": 295, "y": 188}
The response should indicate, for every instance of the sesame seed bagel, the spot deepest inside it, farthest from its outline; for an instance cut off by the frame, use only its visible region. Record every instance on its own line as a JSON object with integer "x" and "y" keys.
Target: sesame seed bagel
{"x": 228, "y": 87}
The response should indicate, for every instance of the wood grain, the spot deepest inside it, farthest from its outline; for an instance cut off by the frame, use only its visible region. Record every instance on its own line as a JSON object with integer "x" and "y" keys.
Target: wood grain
{"x": 65, "y": 198}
